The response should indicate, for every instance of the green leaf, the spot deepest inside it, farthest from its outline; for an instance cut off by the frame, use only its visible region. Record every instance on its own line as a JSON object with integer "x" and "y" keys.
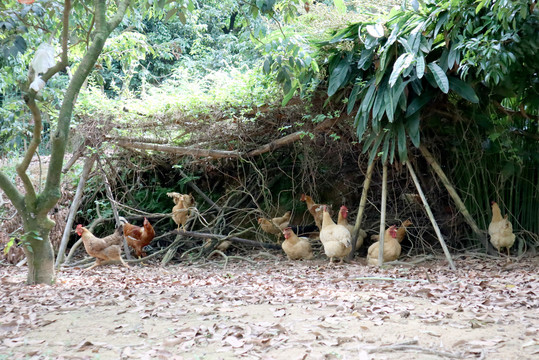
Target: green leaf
{"x": 440, "y": 77}
{"x": 267, "y": 65}
{"x": 338, "y": 76}
{"x": 290, "y": 94}
{"x": 376, "y": 30}
{"x": 367, "y": 100}
{"x": 182, "y": 17}
{"x": 412, "y": 126}
{"x": 401, "y": 133}
{"x": 171, "y": 13}
{"x": 463, "y": 89}
{"x": 352, "y": 98}
{"x": 376, "y": 145}
{"x": 391, "y": 104}
{"x": 418, "y": 103}
{"x": 420, "y": 66}
{"x": 385, "y": 149}
{"x": 340, "y": 6}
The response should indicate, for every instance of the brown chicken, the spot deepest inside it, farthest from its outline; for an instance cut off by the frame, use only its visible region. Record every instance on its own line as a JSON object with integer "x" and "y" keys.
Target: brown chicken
{"x": 138, "y": 237}
{"x": 275, "y": 225}
{"x": 296, "y": 248}
{"x": 336, "y": 238}
{"x": 343, "y": 220}
{"x": 103, "y": 249}
{"x": 392, "y": 248}
{"x": 315, "y": 209}
{"x": 401, "y": 232}
{"x": 500, "y": 230}
{"x": 181, "y": 211}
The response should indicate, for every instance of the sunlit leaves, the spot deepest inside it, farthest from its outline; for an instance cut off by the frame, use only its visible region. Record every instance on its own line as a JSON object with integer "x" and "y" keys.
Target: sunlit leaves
{"x": 440, "y": 77}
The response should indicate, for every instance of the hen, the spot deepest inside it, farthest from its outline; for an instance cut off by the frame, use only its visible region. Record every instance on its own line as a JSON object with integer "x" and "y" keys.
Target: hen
{"x": 138, "y": 237}
{"x": 343, "y": 220}
{"x": 275, "y": 225}
{"x": 314, "y": 209}
{"x": 392, "y": 247}
{"x": 295, "y": 247}
{"x": 336, "y": 238}
{"x": 181, "y": 210}
{"x": 401, "y": 232}
{"x": 103, "y": 249}
{"x": 500, "y": 230}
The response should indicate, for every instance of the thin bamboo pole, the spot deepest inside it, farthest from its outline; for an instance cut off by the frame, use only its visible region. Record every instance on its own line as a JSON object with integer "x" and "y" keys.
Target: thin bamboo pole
{"x": 88, "y": 164}
{"x": 383, "y": 217}
{"x": 456, "y": 198}
{"x": 361, "y": 209}
{"x": 431, "y": 216}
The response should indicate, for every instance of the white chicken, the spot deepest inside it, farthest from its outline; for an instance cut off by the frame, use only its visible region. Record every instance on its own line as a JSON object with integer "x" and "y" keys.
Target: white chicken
{"x": 296, "y": 247}
{"x": 336, "y": 238}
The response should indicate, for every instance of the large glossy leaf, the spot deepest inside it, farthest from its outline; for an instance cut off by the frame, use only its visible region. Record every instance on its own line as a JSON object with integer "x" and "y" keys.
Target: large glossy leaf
{"x": 418, "y": 103}
{"x": 338, "y": 76}
{"x": 401, "y": 134}
{"x": 440, "y": 77}
{"x": 376, "y": 30}
{"x": 368, "y": 99}
{"x": 412, "y": 126}
{"x": 463, "y": 89}
{"x": 420, "y": 66}
{"x": 352, "y": 98}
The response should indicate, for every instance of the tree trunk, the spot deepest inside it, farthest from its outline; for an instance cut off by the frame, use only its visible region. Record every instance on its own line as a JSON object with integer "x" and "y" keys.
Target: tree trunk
{"x": 39, "y": 252}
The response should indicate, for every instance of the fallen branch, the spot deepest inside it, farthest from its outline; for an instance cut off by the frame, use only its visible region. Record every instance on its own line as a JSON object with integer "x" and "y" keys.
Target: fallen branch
{"x": 216, "y": 154}
{"x": 400, "y": 347}
{"x": 221, "y": 237}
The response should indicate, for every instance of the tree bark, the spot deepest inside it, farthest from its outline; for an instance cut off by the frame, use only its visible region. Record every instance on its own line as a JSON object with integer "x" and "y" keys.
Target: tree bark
{"x": 33, "y": 207}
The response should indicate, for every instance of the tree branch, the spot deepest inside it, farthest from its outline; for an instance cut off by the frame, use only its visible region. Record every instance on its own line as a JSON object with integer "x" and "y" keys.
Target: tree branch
{"x": 115, "y": 21}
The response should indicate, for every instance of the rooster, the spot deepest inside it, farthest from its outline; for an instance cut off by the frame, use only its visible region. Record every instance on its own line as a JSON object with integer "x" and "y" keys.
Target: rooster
{"x": 138, "y": 237}
{"x": 103, "y": 249}
{"x": 343, "y": 220}
{"x": 392, "y": 247}
{"x": 500, "y": 230}
{"x": 336, "y": 238}
{"x": 295, "y": 247}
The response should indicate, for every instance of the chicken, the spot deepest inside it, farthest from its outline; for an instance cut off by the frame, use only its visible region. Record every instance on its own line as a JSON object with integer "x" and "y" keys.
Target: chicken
{"x": 282, "y": 221}
{"x": 138, "y": 237}
{"x": 221, "y": 246}
{"x": 336, "y": 238}
{"x": 275, "y": 225}
{"x": 103, "y": 249}
{"x": 401, "y": 232}
{"x": 314, "y": 209}
{"x": 181, "y": 210}
{"x": 392, "y": 248}
{"x": 342, "y": 220}
{"x": 295, "y": 247}
{"x": 500, "y": 230}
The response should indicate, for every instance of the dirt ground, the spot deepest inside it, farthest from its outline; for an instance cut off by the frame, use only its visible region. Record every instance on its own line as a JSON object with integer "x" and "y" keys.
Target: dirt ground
{"x": 275, "y": 309}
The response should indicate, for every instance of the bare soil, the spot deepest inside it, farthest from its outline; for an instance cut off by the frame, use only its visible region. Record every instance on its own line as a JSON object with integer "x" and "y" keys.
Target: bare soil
{"x": 275, "y": 309}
